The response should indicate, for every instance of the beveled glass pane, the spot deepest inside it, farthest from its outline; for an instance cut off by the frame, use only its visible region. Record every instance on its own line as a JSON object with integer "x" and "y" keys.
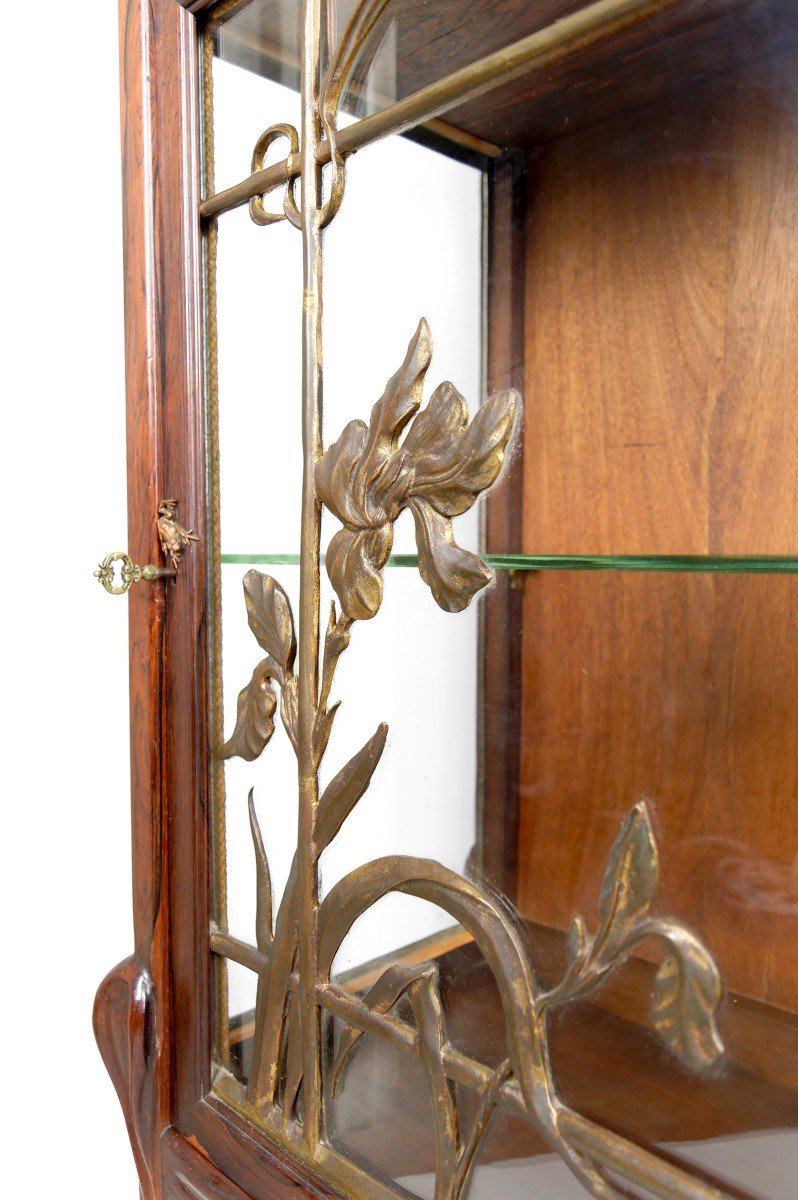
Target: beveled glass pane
{"x": 254, "y": 359}
{"x": 256, "y": 44}
{"x": 256, "y": 347}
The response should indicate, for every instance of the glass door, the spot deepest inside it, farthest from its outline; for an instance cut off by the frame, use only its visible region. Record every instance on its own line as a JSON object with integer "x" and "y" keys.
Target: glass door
{"x": 500, "y": 330}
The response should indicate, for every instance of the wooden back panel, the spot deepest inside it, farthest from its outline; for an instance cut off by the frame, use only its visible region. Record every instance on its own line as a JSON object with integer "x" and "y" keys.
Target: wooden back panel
{"x": 661, "y": 317}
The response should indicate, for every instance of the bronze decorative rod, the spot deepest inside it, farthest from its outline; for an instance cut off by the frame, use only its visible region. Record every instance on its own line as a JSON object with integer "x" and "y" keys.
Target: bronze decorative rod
{"x": 307, "y": 853}
{"x": 639, "y": 1166}
{"x": 540, "y": 49}
{"x": 240, "y": 952}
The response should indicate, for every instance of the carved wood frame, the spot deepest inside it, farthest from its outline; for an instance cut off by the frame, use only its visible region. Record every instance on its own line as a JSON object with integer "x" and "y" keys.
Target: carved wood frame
{"x": 153, "y": 1013}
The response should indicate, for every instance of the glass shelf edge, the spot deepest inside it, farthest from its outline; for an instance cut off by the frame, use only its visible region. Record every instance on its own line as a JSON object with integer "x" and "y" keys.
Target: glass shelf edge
{"x": 737, "y": 564}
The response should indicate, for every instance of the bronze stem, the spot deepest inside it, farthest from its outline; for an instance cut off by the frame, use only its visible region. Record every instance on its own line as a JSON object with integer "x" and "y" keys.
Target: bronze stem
{"x": 307, "y": 874}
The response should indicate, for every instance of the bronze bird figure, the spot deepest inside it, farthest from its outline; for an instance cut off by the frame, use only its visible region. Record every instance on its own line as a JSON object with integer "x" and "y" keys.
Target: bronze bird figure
{"x": 174, "y": 538}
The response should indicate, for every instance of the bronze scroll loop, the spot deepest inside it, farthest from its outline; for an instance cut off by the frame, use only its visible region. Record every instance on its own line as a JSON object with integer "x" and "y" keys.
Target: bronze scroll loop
{"x": 257, "y": 210}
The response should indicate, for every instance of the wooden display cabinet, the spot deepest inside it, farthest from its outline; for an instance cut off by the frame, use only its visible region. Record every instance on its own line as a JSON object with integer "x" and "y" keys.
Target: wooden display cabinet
{"x": 607, "y": 1000}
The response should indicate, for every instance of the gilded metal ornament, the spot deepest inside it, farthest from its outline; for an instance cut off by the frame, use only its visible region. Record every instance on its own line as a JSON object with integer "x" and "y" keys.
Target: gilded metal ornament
{"x": 130, "y": 573}
{"x": 257, "y": 210}
{"x": 539, "y": 50}
{"x": 174, "y": 538}
{"x": 366, "y": 479}
{"x": 435, "y": 463}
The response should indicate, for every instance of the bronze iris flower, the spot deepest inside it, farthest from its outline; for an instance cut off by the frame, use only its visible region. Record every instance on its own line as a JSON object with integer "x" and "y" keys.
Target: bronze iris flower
{"x": 366, "y": 479}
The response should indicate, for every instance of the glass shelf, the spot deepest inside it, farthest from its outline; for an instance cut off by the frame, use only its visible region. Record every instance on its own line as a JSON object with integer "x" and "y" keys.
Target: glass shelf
{"x": 741, "y": 565}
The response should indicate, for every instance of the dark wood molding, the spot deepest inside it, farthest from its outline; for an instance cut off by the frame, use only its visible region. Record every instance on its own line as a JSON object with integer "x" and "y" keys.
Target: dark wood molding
{"x": 166, "y": 457}
{"x": 260, "y": 1168}
{"x": 126, "y": 1032}
{"x": 196, "y": 6}
{"x": 163, "y": 1080}
{"x": 501, "y": 657}
{"x": 190, "y": 1175}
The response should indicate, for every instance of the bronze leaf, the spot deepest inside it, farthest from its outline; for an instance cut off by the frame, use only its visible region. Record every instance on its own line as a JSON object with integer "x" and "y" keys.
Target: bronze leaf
{"x": 630, "y": 880}
{"x": 346, "y": 788}
{"x": 322, "y": 728}
{"x": 263, "y": 882}
{"x": 425, "y": 1001}
{"x": 270, "y": 619}
{"x": 687, "y": 993}
{"x": 452, "y": 574}
{"x": 381, "y": 997}
{"x": 255, "y": 712}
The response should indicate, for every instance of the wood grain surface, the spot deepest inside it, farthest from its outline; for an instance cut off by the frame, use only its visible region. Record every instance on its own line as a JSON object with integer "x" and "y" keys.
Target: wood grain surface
{"x": 662, "y": 328}
{"x": 668, "y": 689}
{"x": 125, "y": 1024}
{"x": 258, "y": 1166}
{"x": 166, "y": 457}
{"x": 662, "y": 342}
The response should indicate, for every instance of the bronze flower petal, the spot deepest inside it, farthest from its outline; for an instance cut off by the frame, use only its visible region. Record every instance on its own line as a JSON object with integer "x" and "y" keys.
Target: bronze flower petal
{"x": 388, "y": 492}
{"x": 399, "y": 401}
{"x": 434, "y": 437}
{"x": 360, "y": 478}
{"x": 339, "y": 475}
{"x": 452, "y": 574}
{"x": 453, "y": 462}
{"x": 355, "y": 558}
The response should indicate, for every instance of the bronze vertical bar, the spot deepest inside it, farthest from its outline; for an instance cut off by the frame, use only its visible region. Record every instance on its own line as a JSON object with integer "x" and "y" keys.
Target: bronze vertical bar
{"x": 308, "y": 876}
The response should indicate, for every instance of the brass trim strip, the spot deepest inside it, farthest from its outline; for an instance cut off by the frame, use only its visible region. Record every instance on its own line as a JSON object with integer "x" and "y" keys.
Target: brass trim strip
{"x": 307, "y": 854}
{"x": 218, "y": 798}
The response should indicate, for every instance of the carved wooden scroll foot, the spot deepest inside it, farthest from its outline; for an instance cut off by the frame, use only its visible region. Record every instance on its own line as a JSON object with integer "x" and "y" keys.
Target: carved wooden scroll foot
{"x": 124, "y": 1026}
